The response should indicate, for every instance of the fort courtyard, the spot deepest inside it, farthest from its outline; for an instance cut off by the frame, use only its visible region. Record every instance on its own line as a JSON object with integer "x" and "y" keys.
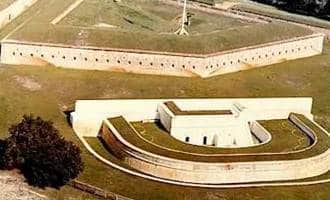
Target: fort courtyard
{"x": 235, "y": 108}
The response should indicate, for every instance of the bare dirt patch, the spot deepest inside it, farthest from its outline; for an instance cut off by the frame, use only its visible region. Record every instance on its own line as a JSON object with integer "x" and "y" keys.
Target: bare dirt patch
{"x": 28, "y": 83}
{"x": 13, "y": 187}
{"x": 226, "y": 5}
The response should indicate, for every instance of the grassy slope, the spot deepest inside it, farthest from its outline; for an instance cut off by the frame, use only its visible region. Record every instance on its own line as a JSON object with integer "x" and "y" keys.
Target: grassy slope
{"x": 287, "y": 134}
{"x": 38, "y": 29}
{"x": 130, "y": 135}
{"x": 101, "y": 149}
{"x": 209, "y": 43}
{"x": 287, "y": 138}
{"x": 148, "y": 16}
{"x": 60, "y": 88}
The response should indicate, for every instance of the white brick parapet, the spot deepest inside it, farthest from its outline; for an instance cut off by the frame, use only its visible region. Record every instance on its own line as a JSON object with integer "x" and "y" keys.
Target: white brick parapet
{"x": 163, "y": 63}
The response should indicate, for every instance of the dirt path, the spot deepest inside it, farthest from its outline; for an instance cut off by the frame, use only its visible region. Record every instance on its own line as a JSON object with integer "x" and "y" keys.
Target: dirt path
{"x": 13, "y": 187}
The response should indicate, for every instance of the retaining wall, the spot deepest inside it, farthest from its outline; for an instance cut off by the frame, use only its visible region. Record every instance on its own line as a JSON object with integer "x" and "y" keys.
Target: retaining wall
{"x": 260, "y": 132}
{"x": 148, "y": 62}
{"x": 215, "y": 173}
{"x": 14, "y": 10}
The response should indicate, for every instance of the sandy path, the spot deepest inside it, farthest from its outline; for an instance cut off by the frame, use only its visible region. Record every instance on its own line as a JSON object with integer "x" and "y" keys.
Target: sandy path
{"x": 13, "y": 187}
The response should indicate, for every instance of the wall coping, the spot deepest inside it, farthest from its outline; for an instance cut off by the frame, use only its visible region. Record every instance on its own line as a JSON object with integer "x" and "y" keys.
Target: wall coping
{"x": 176, "y": 110}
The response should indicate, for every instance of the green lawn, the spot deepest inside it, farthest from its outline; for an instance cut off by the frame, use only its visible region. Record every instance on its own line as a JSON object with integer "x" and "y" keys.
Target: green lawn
{"x": 195, "y": 44}
{"x": 131, "y": 136}
{"x": 139, "y": 26}
{"x": 285, "y": 137}
{"x": 146, "y": 16}
{"x": 61, "y": 87}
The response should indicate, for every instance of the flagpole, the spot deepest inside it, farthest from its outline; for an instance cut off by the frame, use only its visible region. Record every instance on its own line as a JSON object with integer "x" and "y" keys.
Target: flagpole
{"x": 182, "y": 30}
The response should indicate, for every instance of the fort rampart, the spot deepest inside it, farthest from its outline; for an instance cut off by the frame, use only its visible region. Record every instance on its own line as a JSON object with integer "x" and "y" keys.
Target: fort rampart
{"x": 163, "y": 63}
{"x": 231, "y": 168}
{"x": 216, "y": 173}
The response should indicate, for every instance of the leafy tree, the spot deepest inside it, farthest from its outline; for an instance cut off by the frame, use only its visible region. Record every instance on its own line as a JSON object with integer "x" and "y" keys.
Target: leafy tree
{"x": 43, "y": 156}
{"x": 318, "y": 8}
{"x": 2, "y": 154}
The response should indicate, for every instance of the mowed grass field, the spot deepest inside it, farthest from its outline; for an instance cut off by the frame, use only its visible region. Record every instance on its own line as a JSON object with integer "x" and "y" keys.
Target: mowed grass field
{"x": 145, "y": 25}
{"x": 48, "y": 91}
{"x": 146, "y": 16}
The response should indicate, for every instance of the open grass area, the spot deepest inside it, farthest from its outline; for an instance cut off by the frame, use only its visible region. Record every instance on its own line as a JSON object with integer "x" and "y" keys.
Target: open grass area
{"x": 100, "y": 148}
{"x": 146, "y": 16}
{"x": 59, "y": 88}
{"x": 146, "y": 26}
{"x": 198, "y": 44}
{"x": 285, "y": 137}
{"x": 175, "y": 150}
{"x": 286, "y": 133}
